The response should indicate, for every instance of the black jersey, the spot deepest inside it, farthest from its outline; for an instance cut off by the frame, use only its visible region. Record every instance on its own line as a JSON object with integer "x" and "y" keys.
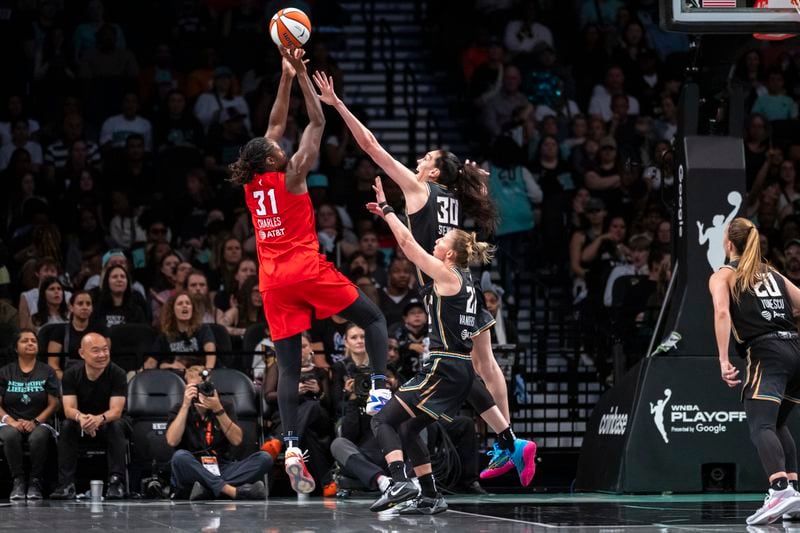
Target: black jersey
{"x": 440, "y": 214}
{"x": 765, "y": 309}
{"x": 452, "y": 319}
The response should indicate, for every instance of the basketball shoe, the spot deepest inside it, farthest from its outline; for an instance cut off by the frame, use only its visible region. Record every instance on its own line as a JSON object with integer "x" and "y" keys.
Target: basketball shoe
{"x": 524, "y": 458}
{"x": 499, "y": 464}
{"x": 775, "y": 505}
{"x": 377, "y": 399}
{"x": 295, "y": 466}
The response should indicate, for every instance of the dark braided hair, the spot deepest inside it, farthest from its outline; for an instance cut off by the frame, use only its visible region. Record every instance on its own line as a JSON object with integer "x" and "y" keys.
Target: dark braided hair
{"x": 470, "y": 190}
{"x": 252, "y": 160}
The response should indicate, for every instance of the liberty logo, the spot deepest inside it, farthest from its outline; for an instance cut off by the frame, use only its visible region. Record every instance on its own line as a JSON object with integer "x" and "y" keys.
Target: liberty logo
{"x": 716, "y": 233}
{"x": 657, "y": 411}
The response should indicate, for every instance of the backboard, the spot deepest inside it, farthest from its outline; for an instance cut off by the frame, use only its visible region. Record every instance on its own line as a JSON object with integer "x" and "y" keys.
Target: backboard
{"x": 729, "y": 16}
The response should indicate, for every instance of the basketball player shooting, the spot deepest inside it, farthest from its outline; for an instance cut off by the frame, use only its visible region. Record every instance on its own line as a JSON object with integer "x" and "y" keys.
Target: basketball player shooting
{"x": 294, "y": 279}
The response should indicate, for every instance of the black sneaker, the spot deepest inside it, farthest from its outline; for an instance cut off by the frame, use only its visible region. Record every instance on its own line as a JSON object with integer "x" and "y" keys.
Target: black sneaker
{"x": 35, "y": 489}
{"x": 64, "y": 492}
{"x": 200, "y": 492}
{"x": 475, "y": 488}
{"x": 18, "y": 489}
{"x": 116, "y": 490}
{"x": 251, "y": 491}
{"x": 399, "y": 491}
{"x": 426, "y": 505}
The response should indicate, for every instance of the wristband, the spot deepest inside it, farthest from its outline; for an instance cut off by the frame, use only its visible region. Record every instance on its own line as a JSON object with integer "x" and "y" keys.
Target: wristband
{"x": 104, "y": 417}
{"x": 382, "y": 204}
{"x": 387, "y": 209}
{"x": 36, "y": 422}
{"x": 219, "y": 413}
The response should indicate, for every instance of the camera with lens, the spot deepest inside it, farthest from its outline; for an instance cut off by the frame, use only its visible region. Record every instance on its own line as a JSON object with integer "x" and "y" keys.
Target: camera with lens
{"x": 205, "y": 387}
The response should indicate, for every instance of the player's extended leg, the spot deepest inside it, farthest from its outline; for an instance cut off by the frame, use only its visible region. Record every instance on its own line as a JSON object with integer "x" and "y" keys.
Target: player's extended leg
{"x": 486, "y": 367}
{"x": 386, "y": 426}
{"x": 366, "y": 315}
{"x": 430, "y": 501}
{"x": 508, "y": 451}
{"x": 288, "y": 355}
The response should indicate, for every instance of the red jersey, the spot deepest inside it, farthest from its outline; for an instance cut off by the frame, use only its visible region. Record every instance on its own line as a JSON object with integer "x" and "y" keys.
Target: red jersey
{"x": 286, "y": 236}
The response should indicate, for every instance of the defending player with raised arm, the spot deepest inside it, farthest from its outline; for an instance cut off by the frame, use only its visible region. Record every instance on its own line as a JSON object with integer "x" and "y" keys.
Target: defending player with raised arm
{"x": 438, "y": 197}
{"x": 754, "y": 302}
{"x": 295, "y": 281}
{"x": 441, "y": 386}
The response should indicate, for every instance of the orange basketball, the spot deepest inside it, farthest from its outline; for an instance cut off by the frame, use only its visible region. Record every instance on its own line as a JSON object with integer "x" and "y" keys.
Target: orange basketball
{"x": 290, "y": 27}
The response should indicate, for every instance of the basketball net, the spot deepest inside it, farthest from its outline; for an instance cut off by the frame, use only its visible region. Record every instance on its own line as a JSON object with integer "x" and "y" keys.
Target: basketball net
{"x": 775, "y": 36}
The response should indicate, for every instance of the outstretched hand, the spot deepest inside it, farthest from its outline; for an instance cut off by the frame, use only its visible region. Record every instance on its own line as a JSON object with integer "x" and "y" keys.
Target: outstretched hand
{"x": 325, "y": 84}
{"x": 294, "y": 57}
{"x": 380, "y": 198}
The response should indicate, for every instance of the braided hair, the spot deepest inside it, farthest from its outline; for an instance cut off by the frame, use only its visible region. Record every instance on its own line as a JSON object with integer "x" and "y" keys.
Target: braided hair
{"x": 252, "y": 160}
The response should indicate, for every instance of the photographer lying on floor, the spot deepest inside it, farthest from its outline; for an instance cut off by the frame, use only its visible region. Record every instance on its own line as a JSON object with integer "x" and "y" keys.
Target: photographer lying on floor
{"x": 204, "y": 430}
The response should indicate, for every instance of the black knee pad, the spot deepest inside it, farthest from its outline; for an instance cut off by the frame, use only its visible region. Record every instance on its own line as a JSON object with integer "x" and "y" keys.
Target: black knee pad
{"x": 479, "y": 397}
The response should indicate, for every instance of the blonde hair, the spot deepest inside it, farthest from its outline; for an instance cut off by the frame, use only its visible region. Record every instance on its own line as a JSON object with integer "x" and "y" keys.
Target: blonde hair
{"x": 745, "y": 239}
{"x": 469, "y": 250}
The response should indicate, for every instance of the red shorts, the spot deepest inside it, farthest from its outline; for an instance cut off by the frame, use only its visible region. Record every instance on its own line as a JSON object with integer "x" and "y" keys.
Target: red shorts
{"x": 289, "y": 308}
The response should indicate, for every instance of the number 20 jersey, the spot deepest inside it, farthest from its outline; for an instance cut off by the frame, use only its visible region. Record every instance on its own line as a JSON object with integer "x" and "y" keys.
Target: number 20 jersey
{"x": 286, "y": 237}
{"x": 763, "y": 310}
{"x": 440, "y": 214}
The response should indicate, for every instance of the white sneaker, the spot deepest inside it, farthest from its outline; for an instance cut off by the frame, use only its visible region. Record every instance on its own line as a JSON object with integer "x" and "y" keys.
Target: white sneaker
{"x": 775, "y": 505}
{"x": 791, "y": 516}
{"x": 295, "y": 465}
{"x": 377, "y": 399}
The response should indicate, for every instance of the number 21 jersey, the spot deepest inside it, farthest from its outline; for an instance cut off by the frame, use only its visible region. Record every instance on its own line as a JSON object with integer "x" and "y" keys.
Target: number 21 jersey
{"x": 286, "y": 238}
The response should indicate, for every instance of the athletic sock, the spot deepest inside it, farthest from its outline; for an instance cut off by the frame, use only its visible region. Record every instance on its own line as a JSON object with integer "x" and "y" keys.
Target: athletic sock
{"x": 290, "y": 440}
{"x": 398, "y": 471}
{"x": 780, "y": 483}
{"x": 506, "y": 439}
{"x": 378, "y": 382}
{"x": 428, "y": 485}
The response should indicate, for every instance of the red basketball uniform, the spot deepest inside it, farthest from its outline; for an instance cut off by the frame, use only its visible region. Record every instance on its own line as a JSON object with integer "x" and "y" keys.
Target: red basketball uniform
{"x": 294, "y": 279}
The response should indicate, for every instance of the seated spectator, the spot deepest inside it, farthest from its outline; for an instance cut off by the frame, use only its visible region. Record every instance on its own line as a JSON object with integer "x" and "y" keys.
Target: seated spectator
{"x": 604, "y": 180}
{"x": 336, "y": 242}
{"x": 44, "y": 267}
{"x": 245, "y": 268}
{"x": 398, "y": 293}
{"x": 346, "y": 371}
{"x": 94, "y": 402}
{"x": 614, "y": 83}
{"x": 196, "y": 285}
{"x": 327, "y": 339}
{"x": 499, "y": 109}
{"x": 85, "y": 36}
{"x": 177, "y": 127}
{"x": 412, "y": 338}
{"x": 108, "y": 60}
{"x": 204, "y": 431}
{"x": 225, "y": 264}
{"x": 51, "y": 307}
{"x": 184, "y": 340}
{"x": 369, "y": 247}
{"x": 776, "y": 104}
{"x": 21, "y": 140}
{"x": 16, "y": 110}
{"x": 29, "y": 394}
{"x": 249, "y": 309}
{"x": 118, "y": 128}
{"x": 117, "y": 303}
{"x": 639, "y": 246}
{"x": 160, "y": 78}
{"x": 165, "y": 282}
{"x": 224, "y": 141}
{"x": 63, "y": 344}
{"x": 666, "y": 126}
{"x": 211, "y": 105}
{"x": 791, "y": 268}
{"x": 502, "y": 332}
{"x": 112, "y": 258}
{"x": 788, "y": 201}
{"x": 314, "y": 424}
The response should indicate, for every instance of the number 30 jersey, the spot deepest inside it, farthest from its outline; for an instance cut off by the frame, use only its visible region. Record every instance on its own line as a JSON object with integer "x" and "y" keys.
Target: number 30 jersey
{"x": 451, "y": 319}
{"x": 286, "y": 237}
{"x": 440, "y": 214}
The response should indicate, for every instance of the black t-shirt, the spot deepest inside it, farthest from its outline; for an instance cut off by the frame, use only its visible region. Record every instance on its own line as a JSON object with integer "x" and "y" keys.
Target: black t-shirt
{"x": 331, "y": 335}
{"x": 25, "y": 394}
{"x": 393, "y": 311}
{"x": 134, "y": 312}
{"x": 166, "y": 348}
{"x": 199, "y": 429}
{"x": 70, "y": 341}
{"x": 94, "y": 396}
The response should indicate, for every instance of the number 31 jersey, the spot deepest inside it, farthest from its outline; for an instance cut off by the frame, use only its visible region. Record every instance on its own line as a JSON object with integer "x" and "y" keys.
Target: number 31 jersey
{"x": 440, "y": 214}
{"x": 286, "y": 237}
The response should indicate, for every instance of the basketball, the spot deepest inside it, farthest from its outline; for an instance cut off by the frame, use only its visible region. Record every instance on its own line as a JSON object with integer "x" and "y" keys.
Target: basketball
{"x": 290, "y": 27}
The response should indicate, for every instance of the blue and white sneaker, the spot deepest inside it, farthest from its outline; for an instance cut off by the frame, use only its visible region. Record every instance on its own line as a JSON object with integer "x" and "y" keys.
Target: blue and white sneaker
{"x": 377, "y": 399}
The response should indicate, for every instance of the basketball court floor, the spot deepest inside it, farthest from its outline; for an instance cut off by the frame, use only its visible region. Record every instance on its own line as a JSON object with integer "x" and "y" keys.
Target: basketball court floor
{"x": 497, "y": 514}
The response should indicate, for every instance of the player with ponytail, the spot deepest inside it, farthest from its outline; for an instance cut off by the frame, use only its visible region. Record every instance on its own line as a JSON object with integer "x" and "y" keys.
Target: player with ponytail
{"x": 756, "y": 303}
{"x": 438, "y": 196}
